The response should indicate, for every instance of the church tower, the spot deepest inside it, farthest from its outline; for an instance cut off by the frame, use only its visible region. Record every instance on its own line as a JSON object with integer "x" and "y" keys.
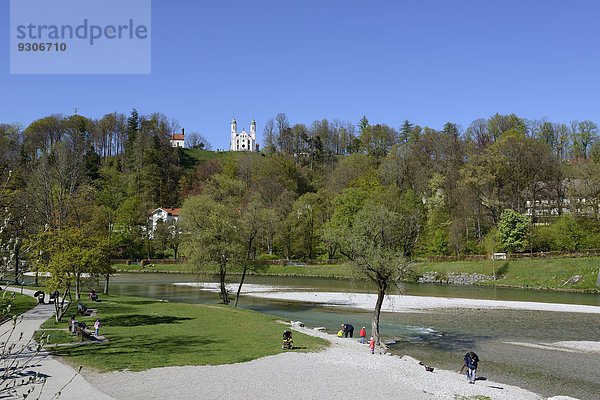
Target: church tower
{"x": 243, "y": 141}
{"x": 233, "y": 134}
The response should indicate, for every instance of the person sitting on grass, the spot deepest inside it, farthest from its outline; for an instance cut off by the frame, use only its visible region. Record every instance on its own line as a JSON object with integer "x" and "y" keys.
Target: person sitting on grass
{"x": 93, "y": 295}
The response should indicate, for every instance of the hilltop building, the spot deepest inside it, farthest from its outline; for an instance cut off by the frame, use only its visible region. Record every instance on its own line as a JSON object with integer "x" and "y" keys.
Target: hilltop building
{"x": 243, "y": 141}
{"x": 178, "y": 139}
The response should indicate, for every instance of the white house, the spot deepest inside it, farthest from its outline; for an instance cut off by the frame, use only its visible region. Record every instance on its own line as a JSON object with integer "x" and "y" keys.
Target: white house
{"x": 168, "y": 215}
{"x": 178, "y": 139}
{"x": 243, "y": 141}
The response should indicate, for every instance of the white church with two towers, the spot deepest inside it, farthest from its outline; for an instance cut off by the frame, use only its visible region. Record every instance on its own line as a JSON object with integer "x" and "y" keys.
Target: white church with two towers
{"x": 243, "y": 141}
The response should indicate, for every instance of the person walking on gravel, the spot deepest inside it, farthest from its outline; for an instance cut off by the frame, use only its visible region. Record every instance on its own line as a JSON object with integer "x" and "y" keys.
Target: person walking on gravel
{"x": 470, "y": 362}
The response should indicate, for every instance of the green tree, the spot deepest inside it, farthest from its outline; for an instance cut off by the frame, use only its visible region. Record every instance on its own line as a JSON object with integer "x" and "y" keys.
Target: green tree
{"x": 513, "y": 230}
{"x": 567, "y": 233}
{"x": 345, "y": 207}
{"x": 375, "y": 253}
{"x": 377, "y": 140}
{"x": 213, "y": 225}
{"x": 584, "y": 137}
{"x": 255, "y": 220}
{"x": 405, "y": 131}
{"x": 75, "y": 255}
{"x": 305, "y": 221}
{"x": 436, "y": 232}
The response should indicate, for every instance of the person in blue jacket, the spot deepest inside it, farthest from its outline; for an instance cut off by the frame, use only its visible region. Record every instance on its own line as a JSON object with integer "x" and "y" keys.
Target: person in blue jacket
{"x": 470, "y": 363}
{"x": 348, "y": 329}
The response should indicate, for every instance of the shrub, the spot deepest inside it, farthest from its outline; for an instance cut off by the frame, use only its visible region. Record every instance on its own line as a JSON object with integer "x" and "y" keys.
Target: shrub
{"x": 567, "y": 233}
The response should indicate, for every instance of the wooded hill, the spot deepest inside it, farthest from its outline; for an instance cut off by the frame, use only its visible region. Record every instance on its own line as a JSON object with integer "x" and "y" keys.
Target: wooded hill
{"x": 447, "y": 191}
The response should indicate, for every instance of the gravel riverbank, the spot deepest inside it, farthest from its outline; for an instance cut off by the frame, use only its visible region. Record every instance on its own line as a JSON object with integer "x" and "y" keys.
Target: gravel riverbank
{"x": 344, "y": 370}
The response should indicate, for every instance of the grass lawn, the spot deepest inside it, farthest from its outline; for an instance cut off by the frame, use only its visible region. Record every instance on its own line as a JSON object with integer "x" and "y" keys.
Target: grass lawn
{"x": 191, "y": 157}
{"x": 20, "y": 303}
{"x": 145, "y": 333}
{"x": 328, "y": 271}
{"x": 184, "y": 268}
{"x": 56, "y": 336}
{"x": 533, "y": 273}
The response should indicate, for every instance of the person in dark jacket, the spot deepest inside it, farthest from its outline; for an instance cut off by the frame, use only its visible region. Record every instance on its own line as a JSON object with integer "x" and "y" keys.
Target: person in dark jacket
{"x": 470, "y": 362}
{"x": 348, "y": 329}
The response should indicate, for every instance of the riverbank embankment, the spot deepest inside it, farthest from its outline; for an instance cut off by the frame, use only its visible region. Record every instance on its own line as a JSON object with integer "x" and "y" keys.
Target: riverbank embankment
{"x": 561, "y": 274}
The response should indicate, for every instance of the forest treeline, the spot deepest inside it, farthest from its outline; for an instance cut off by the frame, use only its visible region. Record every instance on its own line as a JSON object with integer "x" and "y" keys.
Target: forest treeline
{"x": 75, "y": 183}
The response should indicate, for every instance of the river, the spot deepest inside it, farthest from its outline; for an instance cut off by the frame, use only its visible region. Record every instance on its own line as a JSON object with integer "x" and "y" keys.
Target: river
{"x": 437, "y": 337}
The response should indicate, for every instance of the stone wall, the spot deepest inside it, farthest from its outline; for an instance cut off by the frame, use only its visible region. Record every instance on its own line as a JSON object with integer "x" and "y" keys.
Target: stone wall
{"x": 454, "y": 278}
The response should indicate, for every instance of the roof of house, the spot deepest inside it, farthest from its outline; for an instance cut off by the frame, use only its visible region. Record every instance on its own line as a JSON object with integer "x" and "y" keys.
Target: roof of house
{"x": 178, "y": 136}
{"x": 169, "y": 211}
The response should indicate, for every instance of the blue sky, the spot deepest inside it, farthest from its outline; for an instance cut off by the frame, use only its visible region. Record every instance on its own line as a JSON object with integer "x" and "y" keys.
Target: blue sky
{"x": 427, "y": 61}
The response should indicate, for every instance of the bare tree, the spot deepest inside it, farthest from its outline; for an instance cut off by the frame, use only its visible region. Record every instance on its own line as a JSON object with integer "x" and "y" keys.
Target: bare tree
{"x": 195, "y": 140}
{"x": 269, "y": 135}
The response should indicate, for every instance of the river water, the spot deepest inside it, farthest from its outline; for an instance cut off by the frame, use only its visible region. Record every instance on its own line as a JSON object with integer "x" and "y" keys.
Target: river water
{"x": 438, "y": 337}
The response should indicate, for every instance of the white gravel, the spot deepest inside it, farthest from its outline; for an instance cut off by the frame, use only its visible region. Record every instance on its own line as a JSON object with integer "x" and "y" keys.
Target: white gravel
{"x": 568, "y": 346}
{"x": 393, "y": 303}
{"x": 345, "y": 370}
{"x": 404, "y": 303}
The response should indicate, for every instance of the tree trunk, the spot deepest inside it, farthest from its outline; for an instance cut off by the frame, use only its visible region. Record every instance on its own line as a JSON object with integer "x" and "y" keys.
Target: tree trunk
{"x": 59, "y": 308}
{"x": 77, "y": 288}
{"x": 17, "y": 262}
{"x": 222, "y": 273}
{"x": 377, "y": 312}
{"x": 106, "y": 283}
{"x": 237, "y": 296}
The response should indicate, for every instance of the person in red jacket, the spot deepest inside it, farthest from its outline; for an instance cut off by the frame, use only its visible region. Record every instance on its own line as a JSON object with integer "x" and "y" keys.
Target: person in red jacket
{"x": 372, "y": 345}
{"x": 363, "y": 333}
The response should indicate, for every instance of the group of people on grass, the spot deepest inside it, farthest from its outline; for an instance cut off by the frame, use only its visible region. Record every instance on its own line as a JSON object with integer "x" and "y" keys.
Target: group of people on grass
{"x": 75, "y": 324}
{"x": 470, "y": 359}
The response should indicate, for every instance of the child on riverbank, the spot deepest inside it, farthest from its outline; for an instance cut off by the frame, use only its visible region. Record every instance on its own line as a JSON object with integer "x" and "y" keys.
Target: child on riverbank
{"x": 372, "y": 345}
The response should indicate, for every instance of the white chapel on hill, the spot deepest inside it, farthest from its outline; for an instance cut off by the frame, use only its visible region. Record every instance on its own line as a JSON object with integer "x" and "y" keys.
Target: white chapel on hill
{"x": 243, "y": 141}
